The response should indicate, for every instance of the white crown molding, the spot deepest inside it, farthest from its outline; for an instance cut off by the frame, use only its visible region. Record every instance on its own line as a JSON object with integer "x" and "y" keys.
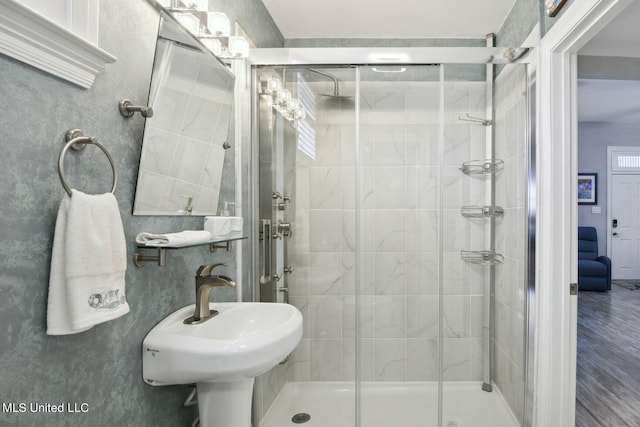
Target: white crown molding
{"x": 33, "y": 39}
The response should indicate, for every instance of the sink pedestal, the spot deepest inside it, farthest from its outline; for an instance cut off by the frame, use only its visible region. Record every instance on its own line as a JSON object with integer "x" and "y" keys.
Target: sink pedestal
{"x": 225, "y": 404}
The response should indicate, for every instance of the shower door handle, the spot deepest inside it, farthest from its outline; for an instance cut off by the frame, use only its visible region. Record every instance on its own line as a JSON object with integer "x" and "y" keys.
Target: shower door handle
{"x": 285, "y": 229}
{"x": 265, "y": 239}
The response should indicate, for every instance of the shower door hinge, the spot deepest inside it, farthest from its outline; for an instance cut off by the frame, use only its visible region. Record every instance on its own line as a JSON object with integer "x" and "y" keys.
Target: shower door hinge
{"x": 573, "y": 289}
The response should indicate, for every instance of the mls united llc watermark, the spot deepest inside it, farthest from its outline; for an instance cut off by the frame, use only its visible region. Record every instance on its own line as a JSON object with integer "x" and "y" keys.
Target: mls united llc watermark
{"x": 45, "y": 408}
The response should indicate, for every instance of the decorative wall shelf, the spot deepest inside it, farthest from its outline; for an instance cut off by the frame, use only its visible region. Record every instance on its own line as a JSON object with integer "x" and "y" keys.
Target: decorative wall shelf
{"x": 482, "y": 211}
{"x": 482, "y": 167}
{"x": 141, "y": 256}
{"x": 481, "y": 257}
{"x": 31, "y": 38}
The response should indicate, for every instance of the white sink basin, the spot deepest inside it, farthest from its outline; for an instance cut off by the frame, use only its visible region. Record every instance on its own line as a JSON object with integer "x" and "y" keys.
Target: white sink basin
{"x": 243, "y": 341}
{"x": 222, "y": 355}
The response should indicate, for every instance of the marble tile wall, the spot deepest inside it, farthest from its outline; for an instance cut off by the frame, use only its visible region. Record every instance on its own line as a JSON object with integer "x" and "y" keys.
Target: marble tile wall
{"x": 402, "y": 228}
{"x": 511, "y": 193}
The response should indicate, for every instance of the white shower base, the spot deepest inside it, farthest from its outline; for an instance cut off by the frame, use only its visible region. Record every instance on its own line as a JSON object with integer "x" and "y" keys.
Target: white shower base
{"x": 389, "y": 404}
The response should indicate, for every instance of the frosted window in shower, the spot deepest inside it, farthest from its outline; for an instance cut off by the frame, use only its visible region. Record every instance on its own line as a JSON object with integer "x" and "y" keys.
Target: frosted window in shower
{"x": 306, "y": 130}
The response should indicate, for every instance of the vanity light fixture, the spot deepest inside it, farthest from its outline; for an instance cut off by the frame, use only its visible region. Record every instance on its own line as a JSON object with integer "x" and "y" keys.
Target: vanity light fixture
{"x": 234, "y": 47}
{"x": 212, "y": 28}
{"x": 283, "y": 102}
{"x": 227, "y": 47}
{"x": 219, "y": 40}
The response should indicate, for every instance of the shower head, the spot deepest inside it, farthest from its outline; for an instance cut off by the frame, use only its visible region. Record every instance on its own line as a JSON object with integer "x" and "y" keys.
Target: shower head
{"x": 336, "y": 88}
{"x": 335, "y": 95}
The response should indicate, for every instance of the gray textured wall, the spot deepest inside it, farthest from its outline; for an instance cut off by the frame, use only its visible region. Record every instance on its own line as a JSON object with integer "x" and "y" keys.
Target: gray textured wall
{"x": 524, "y": 15}
{"x": 254, "y": 19}
{"x": 593, "y": 140}
{"x": 102, "y": 366}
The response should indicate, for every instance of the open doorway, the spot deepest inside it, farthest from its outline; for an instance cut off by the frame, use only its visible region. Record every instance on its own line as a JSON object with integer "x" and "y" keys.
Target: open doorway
{"x": 608, "y": 148}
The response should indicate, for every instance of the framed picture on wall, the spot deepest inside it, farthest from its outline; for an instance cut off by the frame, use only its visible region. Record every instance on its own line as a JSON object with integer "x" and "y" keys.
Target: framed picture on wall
{"x": 554, "y": 6}
{"x": 588, "y": 189}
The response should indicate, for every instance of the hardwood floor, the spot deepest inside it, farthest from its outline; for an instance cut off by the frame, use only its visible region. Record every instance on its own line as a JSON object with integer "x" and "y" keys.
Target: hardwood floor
{"x": 608, "y": 366}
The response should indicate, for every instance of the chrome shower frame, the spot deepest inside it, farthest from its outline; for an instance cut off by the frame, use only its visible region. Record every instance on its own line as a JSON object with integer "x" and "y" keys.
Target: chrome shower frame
{"x": 309, "y": 58}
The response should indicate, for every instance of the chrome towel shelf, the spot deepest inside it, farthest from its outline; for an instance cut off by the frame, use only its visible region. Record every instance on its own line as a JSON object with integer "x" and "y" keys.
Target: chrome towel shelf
{"x": 76, "y": 140}
{"x": 142, "y": 256}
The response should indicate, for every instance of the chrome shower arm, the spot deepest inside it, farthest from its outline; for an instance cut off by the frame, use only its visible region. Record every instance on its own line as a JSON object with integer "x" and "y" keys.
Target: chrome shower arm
{"x": 336, "y": 89}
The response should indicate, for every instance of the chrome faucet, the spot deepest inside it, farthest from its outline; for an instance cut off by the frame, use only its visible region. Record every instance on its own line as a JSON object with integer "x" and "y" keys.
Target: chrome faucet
{"x": 205, "y": 282}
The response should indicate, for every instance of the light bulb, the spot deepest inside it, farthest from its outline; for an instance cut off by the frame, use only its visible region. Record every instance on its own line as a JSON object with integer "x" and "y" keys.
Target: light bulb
{"x": 190, "y": 22}
{"x": 213, "y": 45}
{"x": 300, "y": 114}
{"x": 282, "y": 97}
{"x": 273, "y": 85}
{"x": 218, "y": 24}
{"x": 292, "y": 104}
{"x": 238, "y": 47}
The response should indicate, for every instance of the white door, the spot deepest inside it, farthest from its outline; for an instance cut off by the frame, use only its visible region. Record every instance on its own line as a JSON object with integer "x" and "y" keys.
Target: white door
{"x": 625, "y": 226}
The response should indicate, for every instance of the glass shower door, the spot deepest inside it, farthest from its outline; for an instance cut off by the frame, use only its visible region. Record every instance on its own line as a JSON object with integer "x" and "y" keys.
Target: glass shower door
{"x": 399, "y": 191}
{"x": 307, "y": 194}
{"x": 397, "y": 209}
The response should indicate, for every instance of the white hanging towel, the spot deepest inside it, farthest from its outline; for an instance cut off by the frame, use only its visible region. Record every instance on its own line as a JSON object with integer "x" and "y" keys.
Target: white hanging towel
{"x": 88, "y": 264}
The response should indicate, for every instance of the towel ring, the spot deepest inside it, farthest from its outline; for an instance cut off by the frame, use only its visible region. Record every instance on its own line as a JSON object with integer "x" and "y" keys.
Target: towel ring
{"x": 77, "y": 141}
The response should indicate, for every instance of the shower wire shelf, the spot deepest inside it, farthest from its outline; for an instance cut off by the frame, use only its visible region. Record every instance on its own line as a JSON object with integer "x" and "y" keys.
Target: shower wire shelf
{"x": 482, "y": 167}
{"x": 481, "y": 257}
{"x": 482, "y": 211}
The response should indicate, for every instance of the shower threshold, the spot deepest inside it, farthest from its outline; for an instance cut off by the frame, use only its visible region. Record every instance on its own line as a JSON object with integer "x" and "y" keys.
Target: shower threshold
{"x": 389, "y": 404}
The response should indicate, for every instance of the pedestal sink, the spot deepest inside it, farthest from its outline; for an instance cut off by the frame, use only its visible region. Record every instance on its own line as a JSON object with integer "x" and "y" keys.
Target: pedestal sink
{"x": 222, "y": 355}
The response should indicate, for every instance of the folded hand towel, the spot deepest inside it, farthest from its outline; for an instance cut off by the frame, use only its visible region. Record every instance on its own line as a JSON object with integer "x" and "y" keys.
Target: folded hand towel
{"x": 182, "y": 238}
{"x": 88, "y": 264}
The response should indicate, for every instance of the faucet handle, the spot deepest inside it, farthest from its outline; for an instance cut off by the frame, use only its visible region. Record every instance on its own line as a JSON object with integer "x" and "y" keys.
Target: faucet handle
{"x": 205, "y": 270}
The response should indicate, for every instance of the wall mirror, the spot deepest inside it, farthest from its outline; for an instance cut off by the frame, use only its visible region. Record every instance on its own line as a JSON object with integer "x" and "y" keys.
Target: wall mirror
{"x": 183, "y": 147}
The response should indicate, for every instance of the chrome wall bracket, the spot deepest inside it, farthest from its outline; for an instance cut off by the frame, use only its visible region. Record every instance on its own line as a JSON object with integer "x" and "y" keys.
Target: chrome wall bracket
{"x": 140, "y": 258}
{"x": 472, "y": 119}
{"x": 73, "y": 134}
{"x": 224, "y": 245}
{"x": 127, "y": 109}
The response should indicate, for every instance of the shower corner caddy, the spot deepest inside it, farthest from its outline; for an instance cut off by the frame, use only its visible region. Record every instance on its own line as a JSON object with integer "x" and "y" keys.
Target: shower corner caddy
{"x": 482, "y": 167}
{"x": 481, "y": 257}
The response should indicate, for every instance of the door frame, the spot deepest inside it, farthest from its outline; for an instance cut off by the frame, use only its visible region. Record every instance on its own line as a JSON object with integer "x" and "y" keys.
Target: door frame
{"x": 557, "y": 219}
